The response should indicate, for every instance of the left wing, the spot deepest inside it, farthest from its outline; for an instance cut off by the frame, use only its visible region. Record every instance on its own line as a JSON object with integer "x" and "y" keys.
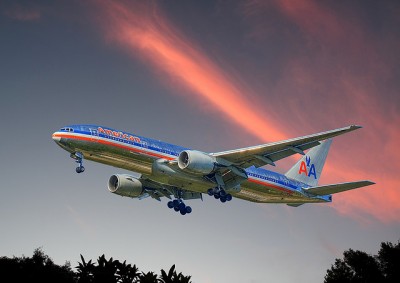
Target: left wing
{"x": 264, "y": 154}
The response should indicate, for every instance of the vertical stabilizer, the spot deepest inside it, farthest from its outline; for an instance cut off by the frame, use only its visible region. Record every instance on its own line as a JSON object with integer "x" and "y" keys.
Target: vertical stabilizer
{"x": 309, "y": 168}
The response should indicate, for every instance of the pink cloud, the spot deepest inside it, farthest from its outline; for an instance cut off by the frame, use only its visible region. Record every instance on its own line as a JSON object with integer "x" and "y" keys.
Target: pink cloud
{"x": 340, "y": 83}
{"x": 340, "y": 77}
{"x": 24, "y": 14}
{"x": 143, "y": 28}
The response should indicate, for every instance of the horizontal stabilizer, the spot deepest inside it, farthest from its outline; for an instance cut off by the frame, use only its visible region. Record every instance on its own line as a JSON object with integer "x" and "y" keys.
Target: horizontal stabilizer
{"x": 337, "y": 188}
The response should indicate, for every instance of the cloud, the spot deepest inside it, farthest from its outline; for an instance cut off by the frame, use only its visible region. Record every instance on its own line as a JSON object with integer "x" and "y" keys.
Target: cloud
{"x": 143, "y": 31}
{"x": 340, "y": 75}
{"x": 83, "y": 225}
{"x": 22, "y": 13}
{"x": 334, "y": 79}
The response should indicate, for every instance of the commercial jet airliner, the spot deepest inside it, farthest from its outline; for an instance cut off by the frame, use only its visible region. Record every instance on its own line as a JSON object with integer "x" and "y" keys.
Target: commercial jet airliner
{"x": 180, "y": 173}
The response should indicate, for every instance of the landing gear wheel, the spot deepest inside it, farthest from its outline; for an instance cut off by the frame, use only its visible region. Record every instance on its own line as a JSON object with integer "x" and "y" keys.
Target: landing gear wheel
{"x": 183, "y": 211}
{"x": 188, "y": 209}
{"x": 223, "y": 199}
{"x": 228, "y": 197}
{"x": 170, "y": 204}
{"x": 175, "y": 203}
{"x": 78, "y": 156}
{"x": 210, "y": 192}
{"x": 80, "y": 169}
{"x": 182, "y": 206}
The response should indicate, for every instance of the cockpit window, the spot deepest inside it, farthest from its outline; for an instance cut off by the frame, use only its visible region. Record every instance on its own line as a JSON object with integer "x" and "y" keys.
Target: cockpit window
{"x": 66, "y": 129}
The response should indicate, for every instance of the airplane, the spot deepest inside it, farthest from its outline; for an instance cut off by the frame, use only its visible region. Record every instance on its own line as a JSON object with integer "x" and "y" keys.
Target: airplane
{"x": 180, "y": 174}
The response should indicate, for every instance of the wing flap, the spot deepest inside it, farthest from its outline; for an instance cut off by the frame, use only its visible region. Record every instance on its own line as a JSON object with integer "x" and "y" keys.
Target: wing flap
{"x": 337, "y": 188}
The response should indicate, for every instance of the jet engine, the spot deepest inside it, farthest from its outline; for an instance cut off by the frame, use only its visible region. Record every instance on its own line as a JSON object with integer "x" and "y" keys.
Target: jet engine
{"x": 196, "y": 162}
{"x": 125, "y": 185}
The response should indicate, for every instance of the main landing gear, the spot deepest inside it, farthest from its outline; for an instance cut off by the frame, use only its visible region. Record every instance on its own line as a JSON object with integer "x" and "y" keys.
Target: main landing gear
{"x": 78, "y": 159}
{"x": 179, "y": 205}
{"x": 220, "y": 194}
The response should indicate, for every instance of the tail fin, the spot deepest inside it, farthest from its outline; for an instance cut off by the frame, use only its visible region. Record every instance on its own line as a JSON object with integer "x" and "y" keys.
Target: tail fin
{"x": 309, "y": 168}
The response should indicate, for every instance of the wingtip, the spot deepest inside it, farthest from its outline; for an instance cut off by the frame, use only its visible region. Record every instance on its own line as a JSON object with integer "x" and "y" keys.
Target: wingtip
{"x": 355, "y": 127}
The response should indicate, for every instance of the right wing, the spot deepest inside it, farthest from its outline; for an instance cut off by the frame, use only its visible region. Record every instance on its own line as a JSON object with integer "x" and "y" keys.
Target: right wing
{"x": 264, "y": 154}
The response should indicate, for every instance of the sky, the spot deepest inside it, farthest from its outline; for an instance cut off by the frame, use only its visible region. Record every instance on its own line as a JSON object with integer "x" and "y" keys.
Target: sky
{"x": 209, "y": 75}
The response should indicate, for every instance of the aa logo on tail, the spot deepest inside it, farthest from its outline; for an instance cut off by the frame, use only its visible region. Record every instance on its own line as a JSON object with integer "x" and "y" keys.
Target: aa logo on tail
{"x": 307, "y": 168}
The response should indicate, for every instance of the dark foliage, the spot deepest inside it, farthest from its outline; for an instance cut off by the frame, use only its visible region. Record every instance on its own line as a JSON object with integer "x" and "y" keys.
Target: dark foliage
{"x": 173, "y": 277}
{"x": 113, "y": 271}
{"x": 38, "y": 268}
{"x": 41, "y": 268}
{"x": 360, "y": 267}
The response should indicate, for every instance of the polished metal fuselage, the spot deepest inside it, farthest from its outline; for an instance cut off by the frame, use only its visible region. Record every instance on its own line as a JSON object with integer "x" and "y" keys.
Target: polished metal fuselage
{"x": 156, "y": 160}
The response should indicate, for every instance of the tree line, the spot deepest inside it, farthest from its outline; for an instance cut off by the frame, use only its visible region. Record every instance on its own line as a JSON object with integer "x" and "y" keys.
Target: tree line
{"x": 41, "y": 268}
{"x": 360, "y": 267}
{"x": 355, "y": 267}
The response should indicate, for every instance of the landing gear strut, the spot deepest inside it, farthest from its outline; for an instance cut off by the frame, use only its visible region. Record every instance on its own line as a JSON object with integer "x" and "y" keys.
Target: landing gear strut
{"x": 220, "y": 194}
{"x": 78, "y": 159}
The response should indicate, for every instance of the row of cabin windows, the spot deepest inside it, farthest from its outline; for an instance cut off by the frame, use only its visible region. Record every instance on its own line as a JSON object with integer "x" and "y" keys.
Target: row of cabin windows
{"x": 133, "y": 143}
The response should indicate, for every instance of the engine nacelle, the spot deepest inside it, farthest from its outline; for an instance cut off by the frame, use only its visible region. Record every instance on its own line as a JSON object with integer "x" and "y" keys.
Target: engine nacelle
{"x": 125, "y": 185}
{"x": 196, "y": 162}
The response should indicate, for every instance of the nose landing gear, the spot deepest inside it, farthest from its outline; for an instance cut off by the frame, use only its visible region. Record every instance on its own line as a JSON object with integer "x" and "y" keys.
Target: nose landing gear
{"x": 78, "y": 159}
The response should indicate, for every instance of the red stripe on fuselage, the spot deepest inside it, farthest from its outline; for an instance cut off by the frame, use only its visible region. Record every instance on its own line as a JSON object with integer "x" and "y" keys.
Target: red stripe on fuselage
{"x": 94, "y": 139}
{"x": 98, "y": 140}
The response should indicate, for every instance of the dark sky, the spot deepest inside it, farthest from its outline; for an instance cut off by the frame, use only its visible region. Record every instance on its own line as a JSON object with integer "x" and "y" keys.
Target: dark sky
{"x": 212, "y": 75}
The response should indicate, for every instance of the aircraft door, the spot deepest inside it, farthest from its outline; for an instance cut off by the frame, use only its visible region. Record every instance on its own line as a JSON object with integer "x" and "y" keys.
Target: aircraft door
{"x": 94, "y": 134}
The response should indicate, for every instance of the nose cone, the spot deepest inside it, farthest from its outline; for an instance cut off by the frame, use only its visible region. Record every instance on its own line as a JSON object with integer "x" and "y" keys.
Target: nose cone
{"x": 56, "y": 137}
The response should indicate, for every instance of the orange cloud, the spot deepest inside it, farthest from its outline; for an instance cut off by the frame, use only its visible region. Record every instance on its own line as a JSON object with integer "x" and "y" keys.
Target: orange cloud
{"x": 354, "y": 84}
{"x": 137, "y": 27}
{"x": 142, "y": 30}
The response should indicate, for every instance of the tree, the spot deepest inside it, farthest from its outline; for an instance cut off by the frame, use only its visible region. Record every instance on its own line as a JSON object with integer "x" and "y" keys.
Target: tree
{"x": 106, "y": 270}
{"x": 173, "y": 277}
{"x": 149, "y": 277}
{"x": 127, "y": 273}
{"x": 85, "y": 271}
{"x": 389, "y": 259}
{"x": 358, "y": 266}
{"x": 39, "y": 268}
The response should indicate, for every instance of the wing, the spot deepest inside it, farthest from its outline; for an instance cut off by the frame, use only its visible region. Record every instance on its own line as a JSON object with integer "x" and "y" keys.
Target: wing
{"x": 337, "y": 188}
{"x": 264, "y": 154}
